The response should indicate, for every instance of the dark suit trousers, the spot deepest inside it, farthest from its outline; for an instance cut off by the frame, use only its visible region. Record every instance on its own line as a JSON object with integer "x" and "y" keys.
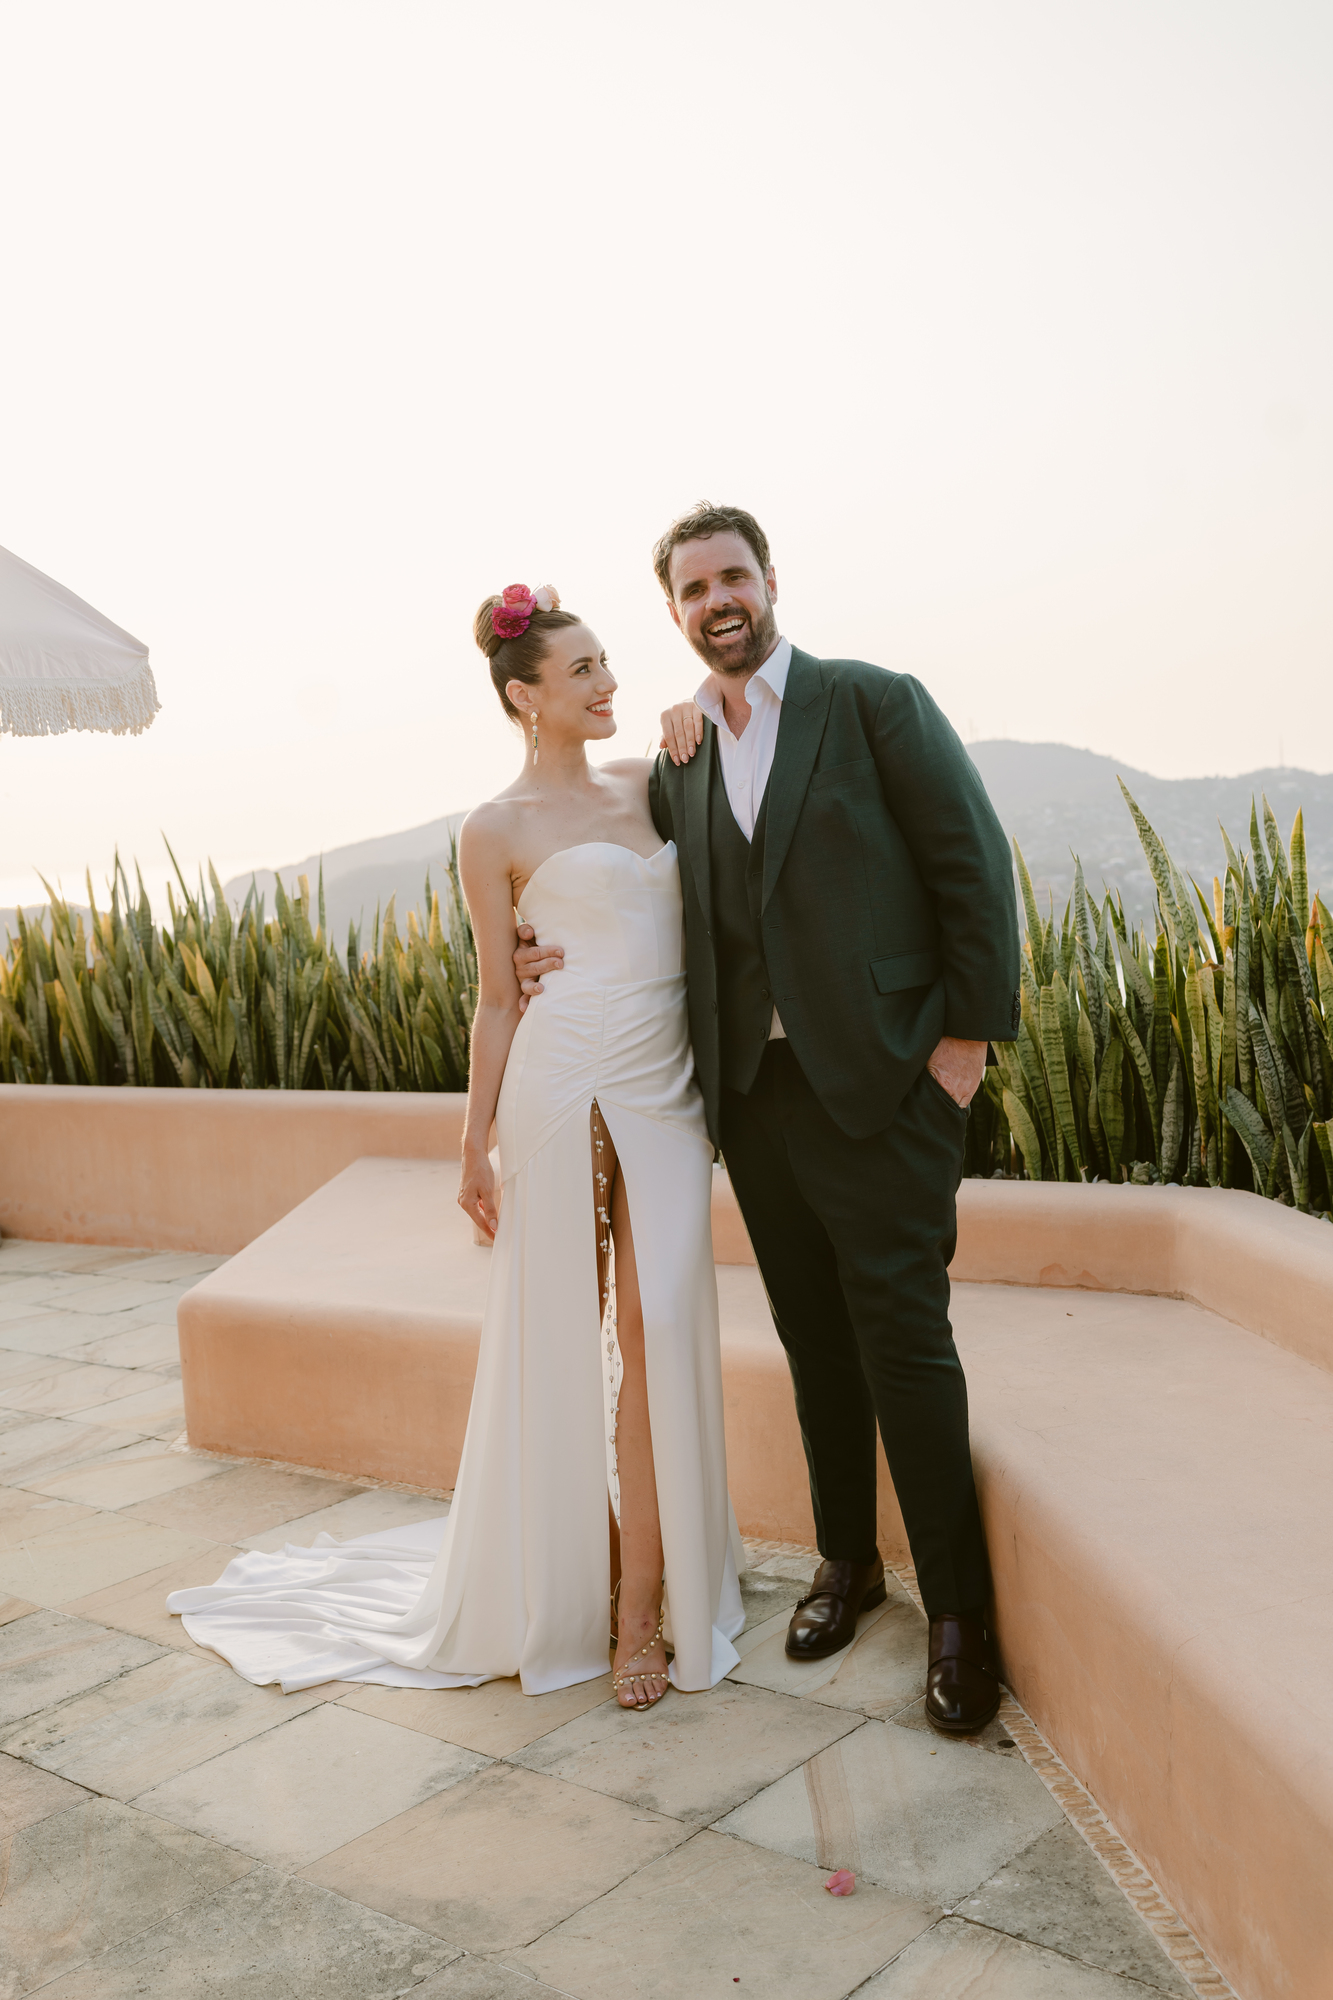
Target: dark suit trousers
{"x": 853, "y": 1238}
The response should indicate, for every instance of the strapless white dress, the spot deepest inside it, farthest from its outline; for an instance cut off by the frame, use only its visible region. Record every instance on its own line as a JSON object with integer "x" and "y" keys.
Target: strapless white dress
{"x": 515, "y": 1578}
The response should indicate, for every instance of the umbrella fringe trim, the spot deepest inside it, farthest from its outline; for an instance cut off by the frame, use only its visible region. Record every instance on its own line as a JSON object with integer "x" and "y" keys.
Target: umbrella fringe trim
{"x": 50, "y": 708}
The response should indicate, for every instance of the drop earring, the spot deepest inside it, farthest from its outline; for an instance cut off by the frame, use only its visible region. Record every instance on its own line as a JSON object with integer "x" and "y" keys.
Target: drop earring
{"x": 534, "y": 736}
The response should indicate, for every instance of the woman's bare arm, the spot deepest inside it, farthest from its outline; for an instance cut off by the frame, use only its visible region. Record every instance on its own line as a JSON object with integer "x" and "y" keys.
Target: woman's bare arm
{"x": 484, "y": 864}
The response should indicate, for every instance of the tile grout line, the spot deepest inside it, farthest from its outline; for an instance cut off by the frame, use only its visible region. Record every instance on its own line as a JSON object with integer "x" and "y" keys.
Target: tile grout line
{"x": 363, "y": 1482}
{"x": 1075, "y": 1802}
{"x": 212, "y": 1895}
{"x": 1128, "y": 1979}
{"x": 1116, "y": 1856}
{"x": 135, "y": 1805}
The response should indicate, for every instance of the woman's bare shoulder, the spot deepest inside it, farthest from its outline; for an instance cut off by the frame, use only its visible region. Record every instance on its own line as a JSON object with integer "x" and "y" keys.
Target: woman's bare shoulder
{"x": 489, "y": 826}
{"x": 628, "y": 767}
{"x": 491, "y": 812}
{"x": 630, "y": 776}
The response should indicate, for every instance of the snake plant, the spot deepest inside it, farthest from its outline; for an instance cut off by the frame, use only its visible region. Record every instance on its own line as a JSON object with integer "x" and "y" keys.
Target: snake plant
{"x": 232, "y": 998}
{"x": 1201, "y": 1053}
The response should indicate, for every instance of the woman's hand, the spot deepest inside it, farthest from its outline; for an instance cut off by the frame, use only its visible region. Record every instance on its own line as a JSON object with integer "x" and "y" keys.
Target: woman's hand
{"x": 476, "y": 1193}
{"x": 682, "y": 731}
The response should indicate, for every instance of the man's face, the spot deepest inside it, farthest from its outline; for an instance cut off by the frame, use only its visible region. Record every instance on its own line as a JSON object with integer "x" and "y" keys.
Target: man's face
{"x": 723, "y": 603}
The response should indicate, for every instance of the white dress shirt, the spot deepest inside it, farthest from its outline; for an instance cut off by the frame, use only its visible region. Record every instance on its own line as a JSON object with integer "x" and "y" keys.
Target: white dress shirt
{"x": 747, "y": 759}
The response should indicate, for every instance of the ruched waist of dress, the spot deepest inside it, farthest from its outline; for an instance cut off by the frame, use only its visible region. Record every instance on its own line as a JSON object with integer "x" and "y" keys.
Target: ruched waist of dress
{"x": 626, "y": 1044}
{"x": 571, "y": 980}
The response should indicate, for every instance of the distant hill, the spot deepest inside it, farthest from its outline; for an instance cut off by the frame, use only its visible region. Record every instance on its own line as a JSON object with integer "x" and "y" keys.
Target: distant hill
{"x": 1049, "y": 797}
{"x": 366, "y": 873}
{"x": 356, "y": 878}
{"x": 1052, "y": 799}
{"x": 9, "y": 918}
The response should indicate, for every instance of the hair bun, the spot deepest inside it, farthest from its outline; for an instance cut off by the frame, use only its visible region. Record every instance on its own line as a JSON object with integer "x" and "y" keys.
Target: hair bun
{"x": 483, "y": 627}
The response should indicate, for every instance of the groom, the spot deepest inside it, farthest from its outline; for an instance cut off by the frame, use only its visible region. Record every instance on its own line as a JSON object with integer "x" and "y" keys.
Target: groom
{"x": 852, "y": 946}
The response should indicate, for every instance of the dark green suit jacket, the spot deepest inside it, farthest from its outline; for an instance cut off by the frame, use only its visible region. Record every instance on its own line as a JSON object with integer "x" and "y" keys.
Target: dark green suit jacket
{"x": 888, "y": 912}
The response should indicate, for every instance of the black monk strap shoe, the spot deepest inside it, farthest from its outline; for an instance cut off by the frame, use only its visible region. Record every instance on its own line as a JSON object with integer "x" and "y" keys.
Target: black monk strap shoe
{"x": 962, "y": 1684}
{"x": 825, "y": 1619}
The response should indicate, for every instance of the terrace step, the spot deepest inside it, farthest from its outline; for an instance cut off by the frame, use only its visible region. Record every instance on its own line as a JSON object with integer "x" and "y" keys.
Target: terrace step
{"x": 1157, "y": 1487}
{"x": 1157, "y": 1481}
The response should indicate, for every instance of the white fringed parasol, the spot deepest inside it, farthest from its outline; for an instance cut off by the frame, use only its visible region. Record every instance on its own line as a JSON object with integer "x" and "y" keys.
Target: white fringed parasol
{"x": 62, "y": 664}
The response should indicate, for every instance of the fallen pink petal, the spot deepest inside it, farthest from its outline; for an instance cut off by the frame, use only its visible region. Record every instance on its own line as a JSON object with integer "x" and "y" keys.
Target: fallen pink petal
{"x": 842, "y": 1883}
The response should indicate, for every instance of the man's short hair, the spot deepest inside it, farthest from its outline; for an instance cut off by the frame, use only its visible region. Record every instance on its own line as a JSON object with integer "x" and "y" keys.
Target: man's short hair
{"x": 702, "y": 521}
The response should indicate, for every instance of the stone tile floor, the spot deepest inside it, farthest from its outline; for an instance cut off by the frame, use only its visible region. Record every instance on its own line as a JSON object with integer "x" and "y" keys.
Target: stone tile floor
{"x": 170, "y": 1830}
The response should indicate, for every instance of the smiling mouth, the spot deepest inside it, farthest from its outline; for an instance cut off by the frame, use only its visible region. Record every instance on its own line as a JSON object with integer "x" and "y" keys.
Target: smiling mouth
{"x": 725, "y": 628}
{"x": 600, "y": 707}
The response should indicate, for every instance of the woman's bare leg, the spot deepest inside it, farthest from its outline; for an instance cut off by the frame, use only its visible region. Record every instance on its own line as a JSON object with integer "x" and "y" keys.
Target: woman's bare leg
{"x": 613, "y": 1530}
{"x": 641, "y": 1560}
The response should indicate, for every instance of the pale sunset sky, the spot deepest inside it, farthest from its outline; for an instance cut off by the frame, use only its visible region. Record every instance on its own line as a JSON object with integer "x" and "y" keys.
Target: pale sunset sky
{"x": 320, "y": 321}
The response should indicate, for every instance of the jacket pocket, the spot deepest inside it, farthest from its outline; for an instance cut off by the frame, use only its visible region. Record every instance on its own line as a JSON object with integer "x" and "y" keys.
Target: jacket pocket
{"x": 902, "y": 969}
{"x": 842, "y": 774}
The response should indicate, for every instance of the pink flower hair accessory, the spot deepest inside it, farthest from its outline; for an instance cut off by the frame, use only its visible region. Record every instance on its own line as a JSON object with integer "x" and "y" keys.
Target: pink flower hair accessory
{"x": 511, "y": 617}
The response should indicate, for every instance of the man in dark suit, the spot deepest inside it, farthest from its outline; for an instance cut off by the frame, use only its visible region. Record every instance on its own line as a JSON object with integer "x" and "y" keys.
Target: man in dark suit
{"x": 852, "y": 946}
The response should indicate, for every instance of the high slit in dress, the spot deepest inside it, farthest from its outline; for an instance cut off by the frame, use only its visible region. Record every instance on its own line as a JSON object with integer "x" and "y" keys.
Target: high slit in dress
{"x": 514, "y": 1580}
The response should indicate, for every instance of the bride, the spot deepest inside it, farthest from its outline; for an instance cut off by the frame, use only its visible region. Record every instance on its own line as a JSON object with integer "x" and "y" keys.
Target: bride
{"x": 599, "y": 1378}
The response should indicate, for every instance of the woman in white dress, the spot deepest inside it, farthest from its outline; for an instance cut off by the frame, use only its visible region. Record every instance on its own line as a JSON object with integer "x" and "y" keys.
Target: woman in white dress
{"x": 601, "y": 1317}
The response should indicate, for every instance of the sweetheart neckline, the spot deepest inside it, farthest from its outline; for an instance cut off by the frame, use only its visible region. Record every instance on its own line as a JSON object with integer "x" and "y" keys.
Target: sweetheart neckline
{"x": 579, "y": 845}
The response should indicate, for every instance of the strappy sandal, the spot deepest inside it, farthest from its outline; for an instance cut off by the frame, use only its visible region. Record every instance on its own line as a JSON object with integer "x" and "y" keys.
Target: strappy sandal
{"x": 630, "y": 1674}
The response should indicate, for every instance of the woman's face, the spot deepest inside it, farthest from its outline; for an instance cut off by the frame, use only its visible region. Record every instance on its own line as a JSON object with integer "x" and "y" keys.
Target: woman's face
{"x": 573, "y": 697}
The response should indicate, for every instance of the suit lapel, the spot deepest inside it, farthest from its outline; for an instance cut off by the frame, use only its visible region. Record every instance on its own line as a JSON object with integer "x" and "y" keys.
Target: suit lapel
{"x": 805, "y": 707}
{"x": 696, "y": 783}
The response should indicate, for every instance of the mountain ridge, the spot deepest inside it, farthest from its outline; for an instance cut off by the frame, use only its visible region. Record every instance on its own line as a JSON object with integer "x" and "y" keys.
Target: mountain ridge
{"x": 1051, "y": 797}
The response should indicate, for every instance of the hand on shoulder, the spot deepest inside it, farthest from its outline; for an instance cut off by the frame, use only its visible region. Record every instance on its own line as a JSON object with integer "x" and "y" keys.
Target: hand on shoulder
{"x": 682, "y": 731}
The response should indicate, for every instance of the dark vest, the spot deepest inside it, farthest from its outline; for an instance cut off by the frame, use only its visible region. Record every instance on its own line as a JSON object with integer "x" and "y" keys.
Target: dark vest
{"x": 744, "y": 998}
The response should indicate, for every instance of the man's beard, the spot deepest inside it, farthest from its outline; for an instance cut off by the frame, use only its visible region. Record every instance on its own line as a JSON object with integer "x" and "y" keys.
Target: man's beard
{"x": 743, "y": 660}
